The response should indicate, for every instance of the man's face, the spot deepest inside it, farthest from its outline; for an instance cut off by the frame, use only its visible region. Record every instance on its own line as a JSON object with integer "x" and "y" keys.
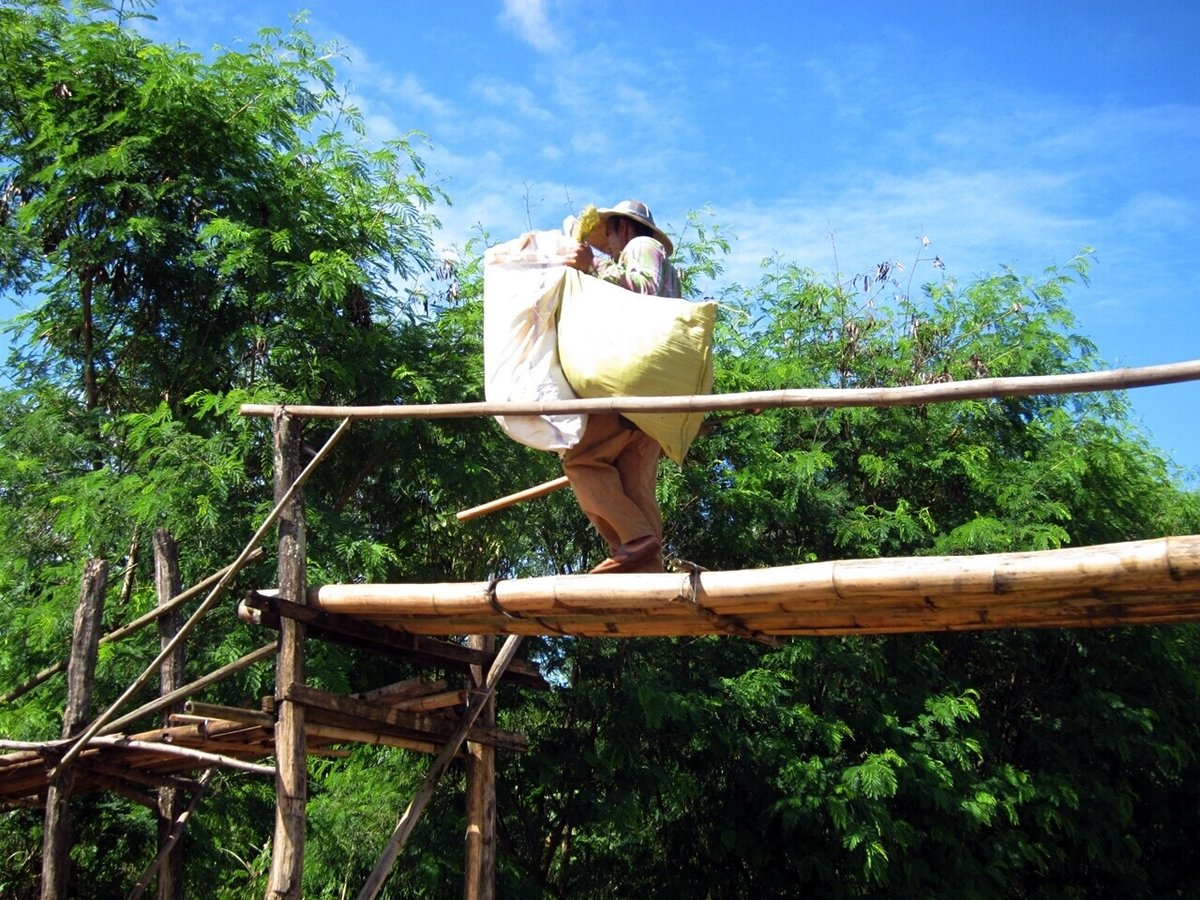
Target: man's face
{"x": 619, "y": 232}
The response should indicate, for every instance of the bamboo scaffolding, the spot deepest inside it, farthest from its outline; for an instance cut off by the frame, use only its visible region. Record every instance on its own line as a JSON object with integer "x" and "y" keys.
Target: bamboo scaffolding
{"x": 125, "y": 630}
{"x": 827, "y": 398}
{"x": 214, "y": 595}
{"x": 1127, "y": 583}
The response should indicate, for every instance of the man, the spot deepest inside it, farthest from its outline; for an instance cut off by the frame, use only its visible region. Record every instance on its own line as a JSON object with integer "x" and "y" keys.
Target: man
{"x": 614, "y": 467}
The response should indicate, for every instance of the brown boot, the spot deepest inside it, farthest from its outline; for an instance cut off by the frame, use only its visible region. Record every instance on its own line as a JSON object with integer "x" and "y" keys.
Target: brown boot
{"x": 639, "y": 555}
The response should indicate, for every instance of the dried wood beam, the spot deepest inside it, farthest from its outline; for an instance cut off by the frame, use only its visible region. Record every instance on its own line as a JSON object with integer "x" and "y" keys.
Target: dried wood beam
{"x": 232, "y": 713}
{"x": 821, "y": 398}
{"x": 186, "y": 753}
{"x": 291, "y": 745}
{"x": 443, "y": 700}
{"x": 348, "y": 629}
{"x": 338, "y": 734}
{"x": 479, "y": 850}
{"x": 408, "y": 724}
{"x": 170, "y": 801}
{"x": 401, "y": 690}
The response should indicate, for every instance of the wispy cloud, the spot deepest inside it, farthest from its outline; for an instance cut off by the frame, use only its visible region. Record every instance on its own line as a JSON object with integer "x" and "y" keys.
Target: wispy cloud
{"x": 529, "y": 20}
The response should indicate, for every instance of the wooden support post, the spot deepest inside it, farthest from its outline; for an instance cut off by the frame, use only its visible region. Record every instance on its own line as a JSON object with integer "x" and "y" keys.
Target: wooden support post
{"x": 437, "y": 769}
{"x": 167, "y": 584}
{"x": 291, "y": 784}
{"x": 85, "y": 637}
{"x": 480, "y": 866}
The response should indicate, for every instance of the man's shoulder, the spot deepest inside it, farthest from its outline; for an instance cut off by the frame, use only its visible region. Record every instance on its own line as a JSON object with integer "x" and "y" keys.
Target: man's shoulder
{"x": 644, "y": 243}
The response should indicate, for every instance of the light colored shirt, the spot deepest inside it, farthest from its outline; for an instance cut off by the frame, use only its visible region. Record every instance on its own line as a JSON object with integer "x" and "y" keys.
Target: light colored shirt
{"x": 643, "y": 267}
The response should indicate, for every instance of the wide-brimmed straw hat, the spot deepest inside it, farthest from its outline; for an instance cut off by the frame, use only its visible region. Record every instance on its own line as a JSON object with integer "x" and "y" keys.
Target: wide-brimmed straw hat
{"x": 630, "y": 209}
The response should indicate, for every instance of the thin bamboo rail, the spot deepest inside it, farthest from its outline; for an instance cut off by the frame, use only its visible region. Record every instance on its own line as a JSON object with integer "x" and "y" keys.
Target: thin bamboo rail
{"x": 1127, "y": 583}
{"x": 911, "y": 395}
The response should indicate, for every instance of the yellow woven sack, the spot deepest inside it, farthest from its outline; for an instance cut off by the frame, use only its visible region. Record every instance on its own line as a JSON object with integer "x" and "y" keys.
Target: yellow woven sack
{"x": 617, "y": 343}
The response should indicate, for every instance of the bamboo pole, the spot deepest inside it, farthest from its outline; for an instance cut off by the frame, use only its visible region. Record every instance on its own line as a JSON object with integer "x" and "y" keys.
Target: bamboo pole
{"x": 209, "y": 601}
{"x": 442, "y": 762}
{"x": 166, "y": 700}
{"x": 825, "y": 398}
{"x": 1154, "y": 580}
{"x": 125, "y": 630}
{"x": 171, "y": 840}
{"x": 533, "y": 493}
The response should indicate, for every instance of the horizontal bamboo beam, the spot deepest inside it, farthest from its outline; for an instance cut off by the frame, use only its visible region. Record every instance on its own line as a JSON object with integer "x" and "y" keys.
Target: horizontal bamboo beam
{"x": 824, "y": 398}
{"x": 1150, "y": 581}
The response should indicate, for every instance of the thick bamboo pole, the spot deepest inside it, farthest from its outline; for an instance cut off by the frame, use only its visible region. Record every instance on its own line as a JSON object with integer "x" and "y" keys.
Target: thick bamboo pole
{"x": 1152, "y": 580}
{"x": 827, "y": 398}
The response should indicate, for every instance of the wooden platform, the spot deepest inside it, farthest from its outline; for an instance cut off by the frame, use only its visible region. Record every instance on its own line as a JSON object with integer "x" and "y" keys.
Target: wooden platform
{"x": 1136, "y": 583}
{"x": 419, "y": 718}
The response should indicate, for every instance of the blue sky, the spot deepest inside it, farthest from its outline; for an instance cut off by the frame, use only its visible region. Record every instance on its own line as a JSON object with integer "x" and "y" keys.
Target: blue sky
{"x": 1007, "y": 133}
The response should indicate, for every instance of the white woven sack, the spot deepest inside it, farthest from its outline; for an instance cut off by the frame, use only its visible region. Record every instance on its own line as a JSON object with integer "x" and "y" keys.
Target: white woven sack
{"x": 521, "y": 292}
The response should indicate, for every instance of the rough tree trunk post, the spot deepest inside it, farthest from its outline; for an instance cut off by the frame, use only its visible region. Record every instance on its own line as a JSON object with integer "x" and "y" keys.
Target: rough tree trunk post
{"x": 167, "y": 583}
{"x": 85, "y": 637}
{"x": 291, "y": 785}
{"x": 480, "y": 876}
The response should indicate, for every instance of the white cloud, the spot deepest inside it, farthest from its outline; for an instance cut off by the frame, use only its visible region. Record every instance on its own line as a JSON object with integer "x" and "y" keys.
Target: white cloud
{"x": 528, "y": 19}
{"x": 512, "y": 98}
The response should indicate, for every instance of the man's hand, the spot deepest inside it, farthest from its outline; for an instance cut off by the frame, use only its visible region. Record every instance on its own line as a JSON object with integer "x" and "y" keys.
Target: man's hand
{"x": 581, "y": 258}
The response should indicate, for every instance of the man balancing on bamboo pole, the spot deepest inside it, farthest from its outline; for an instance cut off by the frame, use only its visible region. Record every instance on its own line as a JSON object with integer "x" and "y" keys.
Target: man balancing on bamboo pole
{"x": 614, "y": 467}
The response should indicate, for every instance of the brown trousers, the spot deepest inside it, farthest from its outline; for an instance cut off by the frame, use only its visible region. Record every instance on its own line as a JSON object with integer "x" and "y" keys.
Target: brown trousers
{"x": 613, "y": 470}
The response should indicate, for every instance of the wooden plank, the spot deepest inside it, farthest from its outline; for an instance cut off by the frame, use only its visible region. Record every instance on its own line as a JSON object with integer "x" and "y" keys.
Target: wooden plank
{"x": 401, "y": 690}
